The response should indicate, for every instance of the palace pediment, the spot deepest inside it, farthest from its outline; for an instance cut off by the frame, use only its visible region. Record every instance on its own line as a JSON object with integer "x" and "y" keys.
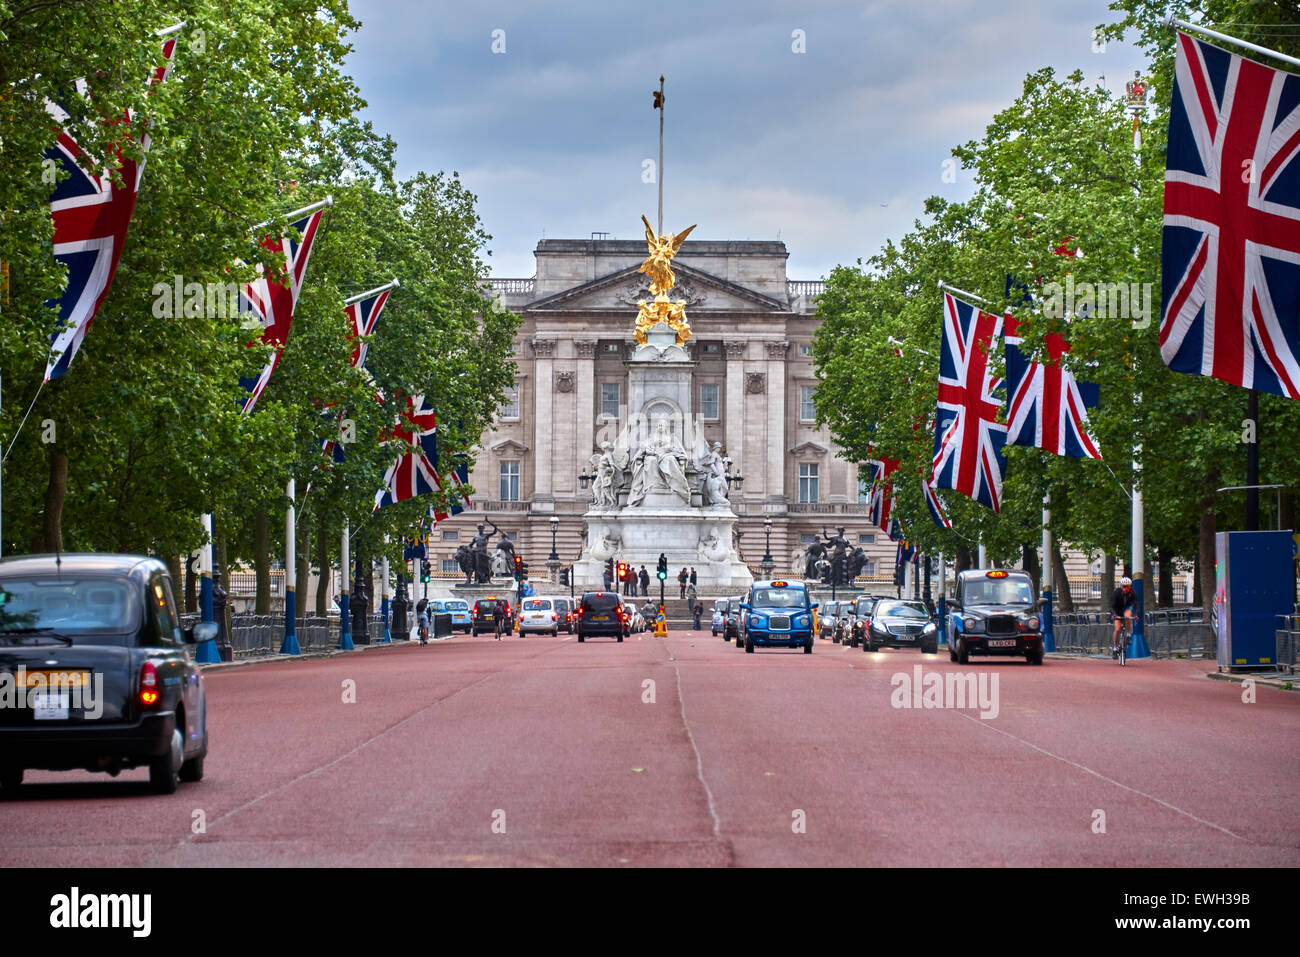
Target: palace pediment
{"x": 622, "y": 290}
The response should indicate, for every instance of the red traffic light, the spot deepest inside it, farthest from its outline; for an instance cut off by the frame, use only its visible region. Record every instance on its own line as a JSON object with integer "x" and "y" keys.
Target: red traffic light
{"x": 622, "y": 570}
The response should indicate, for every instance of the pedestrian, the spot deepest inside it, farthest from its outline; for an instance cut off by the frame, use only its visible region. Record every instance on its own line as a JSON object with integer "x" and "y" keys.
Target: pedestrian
{"x": 691, "y": 595}
{"x": 693, "y": 575}
{"x": 681, "y": 580}
{"x": 629, "y": 579}
{"x": 422, "y": 620}
{"x": 608, "y": 578}
{"x": 645, "y": 582}
{"x": 699, "y": 610}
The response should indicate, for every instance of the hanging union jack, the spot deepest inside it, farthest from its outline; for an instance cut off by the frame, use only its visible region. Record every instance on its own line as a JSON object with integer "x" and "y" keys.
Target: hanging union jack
{"x": 92, "y": 213}
{"x": 968, "y": 439}
{"x": 937, "y": 512}
{"x": 272, "y": 299}
{"x": 1231, "y": 244}
{"x": 414, "y": 472}
{"x": 362, "y": 316}
{"x": 880, "y": 496}
{"x": 1047, "y": 407}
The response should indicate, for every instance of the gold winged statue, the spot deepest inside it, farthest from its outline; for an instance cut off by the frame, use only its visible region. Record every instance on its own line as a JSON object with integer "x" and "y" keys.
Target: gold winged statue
{"x": 658, "y": 266}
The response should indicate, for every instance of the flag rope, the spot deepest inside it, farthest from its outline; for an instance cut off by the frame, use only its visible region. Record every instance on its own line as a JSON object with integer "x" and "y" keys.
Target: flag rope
{"x": 22, "y": 423}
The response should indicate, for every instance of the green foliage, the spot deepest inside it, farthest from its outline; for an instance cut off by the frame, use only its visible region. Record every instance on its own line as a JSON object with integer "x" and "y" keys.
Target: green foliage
{"x": 257, "y": 118}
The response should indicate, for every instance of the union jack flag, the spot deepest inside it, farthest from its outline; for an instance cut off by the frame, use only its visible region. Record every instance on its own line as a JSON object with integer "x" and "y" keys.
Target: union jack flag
{"x": 1231, "y": 243}
{"x": 937, "y": 512}
{"x": 414, "y": 472}
{"x": 273, "y": 303}
{"x": 92, "y": 214}
{"x": 880, "y": 496}
{"x": 362, "y": 316}
{"x": 968, "y": 439}
{"x": 1048, "y": 407}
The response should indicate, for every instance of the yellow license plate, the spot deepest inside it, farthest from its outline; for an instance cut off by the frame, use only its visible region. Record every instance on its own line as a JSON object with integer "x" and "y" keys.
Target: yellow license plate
{"x": 56, "y": 679}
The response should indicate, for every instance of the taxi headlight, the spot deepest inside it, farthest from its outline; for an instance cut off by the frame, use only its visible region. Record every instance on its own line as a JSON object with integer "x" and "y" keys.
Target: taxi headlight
{"x": 931, "y": 626}
{"x": 1031, "y": 624}
{"x": 973, "y": 625}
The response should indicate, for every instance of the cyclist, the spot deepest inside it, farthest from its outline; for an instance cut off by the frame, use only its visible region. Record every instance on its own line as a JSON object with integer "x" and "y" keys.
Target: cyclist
{"x": 1122, "y": 604}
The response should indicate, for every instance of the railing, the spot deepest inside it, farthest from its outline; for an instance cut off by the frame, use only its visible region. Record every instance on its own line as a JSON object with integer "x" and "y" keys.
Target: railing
{"x": 1287, "y": 638}
{"x": 805, "y": 287}
{"x": 1170, "y": 633}
{"x": 512, "y": 285}
{"x": 261, "y": 635}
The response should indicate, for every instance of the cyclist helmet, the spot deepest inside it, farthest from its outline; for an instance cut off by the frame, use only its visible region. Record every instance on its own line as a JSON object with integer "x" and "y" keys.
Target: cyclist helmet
{"x": 1126, "y": 582}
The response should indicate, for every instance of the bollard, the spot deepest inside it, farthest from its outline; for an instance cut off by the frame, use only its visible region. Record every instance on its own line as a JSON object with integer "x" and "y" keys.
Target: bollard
{"x": 1049, "y": 633}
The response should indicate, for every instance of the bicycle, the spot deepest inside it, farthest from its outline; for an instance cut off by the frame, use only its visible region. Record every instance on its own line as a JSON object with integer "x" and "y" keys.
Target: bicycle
{"x": 1120, "y": 652}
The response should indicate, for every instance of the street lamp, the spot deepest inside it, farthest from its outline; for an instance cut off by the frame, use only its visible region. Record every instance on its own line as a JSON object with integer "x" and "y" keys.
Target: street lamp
{"x": 767, "y": 551}
{"x": 585, "y": 477}
{"x": 736, "y": 478}
{"x": 555, "y": 524}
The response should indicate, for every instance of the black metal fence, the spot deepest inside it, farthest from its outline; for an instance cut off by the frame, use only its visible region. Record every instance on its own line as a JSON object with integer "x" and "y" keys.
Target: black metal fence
{"x": 257, "y": 635}
{"x": 1170, "y": 633}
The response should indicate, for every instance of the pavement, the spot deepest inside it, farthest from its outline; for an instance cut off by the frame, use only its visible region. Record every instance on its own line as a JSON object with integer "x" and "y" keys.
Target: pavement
{"x": 685, "y": 751}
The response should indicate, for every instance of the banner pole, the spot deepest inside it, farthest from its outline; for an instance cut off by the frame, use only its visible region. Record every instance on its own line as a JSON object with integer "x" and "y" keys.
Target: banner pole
{"x": 1243, "y": 44}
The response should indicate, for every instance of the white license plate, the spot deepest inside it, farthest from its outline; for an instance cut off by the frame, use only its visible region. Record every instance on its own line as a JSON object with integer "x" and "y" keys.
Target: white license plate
{"x": 50, "y": 705}
{"x": 1001, "y": 642}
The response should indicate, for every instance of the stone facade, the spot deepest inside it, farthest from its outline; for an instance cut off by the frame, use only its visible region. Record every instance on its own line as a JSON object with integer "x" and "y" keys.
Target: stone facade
{"x": 752, "y": 331}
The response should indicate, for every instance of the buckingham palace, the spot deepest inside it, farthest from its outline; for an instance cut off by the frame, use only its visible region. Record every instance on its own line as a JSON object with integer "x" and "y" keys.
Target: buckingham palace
{"x": 752, "y": 387}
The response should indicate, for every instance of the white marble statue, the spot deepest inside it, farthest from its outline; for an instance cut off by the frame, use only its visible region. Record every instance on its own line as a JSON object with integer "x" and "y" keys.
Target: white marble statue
{"x": 604, "y": 489}
{"x": 712, "y": 548}
{"x": 659, "y": 466}
{"x": 713, "y": 465}
{"x": 502, "y": 563}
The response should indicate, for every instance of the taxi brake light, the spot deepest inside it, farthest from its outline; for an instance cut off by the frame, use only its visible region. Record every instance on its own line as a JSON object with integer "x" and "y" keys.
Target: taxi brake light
{"x": 149, "y": 694}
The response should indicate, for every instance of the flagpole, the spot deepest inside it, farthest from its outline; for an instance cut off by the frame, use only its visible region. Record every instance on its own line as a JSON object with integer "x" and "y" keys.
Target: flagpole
{"x": 290, "y": 644}
{"x": 1172, "y": 21}
{"x": 168, "y": 31}
{"x": 962, "y": 292}
{"x": 661, "y": 155}
{"x": 345, "y": 574}
{"x": 370, "y": 292}
{"x": 327, "y": 202}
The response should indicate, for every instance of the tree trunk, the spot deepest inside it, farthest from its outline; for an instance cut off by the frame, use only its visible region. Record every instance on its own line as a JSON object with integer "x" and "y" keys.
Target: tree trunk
{"x": 1107, "y": 578}
{"x": 1165, "y": 558}
{"x": 962, "y": 561}
{"x": 1029, "y": 561}
{"x": 1064, "y": 600}
{"x": 55, "y": 495}
{"x": 323, "y": 570}
{"x": 174, "y": 566}
{"x": 262, "y": 561}
{"x": 1205, "y": 552}
{"x": 302, "y": 579}
{"x": 1196, "y": 579}
{"x": 191, "y": 585}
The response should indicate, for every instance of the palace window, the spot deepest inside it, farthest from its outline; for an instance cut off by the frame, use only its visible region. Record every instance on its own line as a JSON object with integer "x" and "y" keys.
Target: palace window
{"x": 808, "y": 483}
{"x": 709, "y": 402}
{"x": 867, "y": 538}
{"x": 809, "y": 538}
{"x": 709, "y": 348}
{"x": 864, "y": 488}
{"x": 805, "y": 349}
{"x": 450, "y": 566}
{"x": 509, "y": 481}
{"x": 510, "y": 408}
{"x": 610, "y": 393}
{"x": 611, "y": 348}
{"x": 450, "y": 536}
{"x": 807, "y": 411}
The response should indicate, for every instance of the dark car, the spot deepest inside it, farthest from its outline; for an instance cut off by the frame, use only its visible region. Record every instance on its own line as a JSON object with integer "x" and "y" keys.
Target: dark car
{"x": 486, "y": 611}
{"x": 777, "y": 614}
{"x": 826, "y": 621}
{"x": 100, "y": 679}
{"x": 601, "y": 613}
{"x": 860, "y": 618}
{"x": 842, "y": 629}
{"x": 901, "y": 624}
{"x": 564, "y": 614}
{"x": 731, "y": 625}
{"x": 994, "y": 613}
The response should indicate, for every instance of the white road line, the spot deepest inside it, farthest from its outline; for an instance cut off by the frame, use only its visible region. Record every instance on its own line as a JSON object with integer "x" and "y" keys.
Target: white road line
{"x": 1097, "y": 774}
{"x": 699, "y": 760}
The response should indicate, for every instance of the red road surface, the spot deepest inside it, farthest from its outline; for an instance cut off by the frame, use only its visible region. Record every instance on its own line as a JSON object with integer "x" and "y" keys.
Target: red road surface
{"x": 542, "y": 751}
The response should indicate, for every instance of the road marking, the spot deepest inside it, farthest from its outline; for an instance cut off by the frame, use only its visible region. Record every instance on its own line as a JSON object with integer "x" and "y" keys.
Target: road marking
{"x": 699, "y": 761}
{"x": 1097, "y": 774}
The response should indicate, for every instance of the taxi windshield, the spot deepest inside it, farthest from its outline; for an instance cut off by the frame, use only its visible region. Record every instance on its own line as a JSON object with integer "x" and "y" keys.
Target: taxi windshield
{"x": 778, "y": 598}
{"x": 457, "y": 605}
{"x": 999, "y": 591}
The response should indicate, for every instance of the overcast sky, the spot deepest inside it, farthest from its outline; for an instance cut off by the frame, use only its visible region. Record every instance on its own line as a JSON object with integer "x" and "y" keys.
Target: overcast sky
{"x": 833, "y": 150}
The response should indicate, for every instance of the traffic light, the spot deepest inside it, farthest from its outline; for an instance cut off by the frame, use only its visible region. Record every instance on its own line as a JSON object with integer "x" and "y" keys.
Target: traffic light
{"x": 622, "y": 571}
{"x": 425, "y": 574}
{"x": 523, "y": 570}
{"x": 609, "y": 567}
{"x": 519, "y": 568}
{"x": 663, "y": 567}
{"x": 564, "y": 575}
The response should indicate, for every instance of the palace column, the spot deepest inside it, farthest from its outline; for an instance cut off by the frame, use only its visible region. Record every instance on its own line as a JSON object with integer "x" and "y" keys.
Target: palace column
{"x": 543, "y": 419}
{"x": 774, "y": 481}
{"x": 584, "y": 411}
{"x": 735, "y": 422}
